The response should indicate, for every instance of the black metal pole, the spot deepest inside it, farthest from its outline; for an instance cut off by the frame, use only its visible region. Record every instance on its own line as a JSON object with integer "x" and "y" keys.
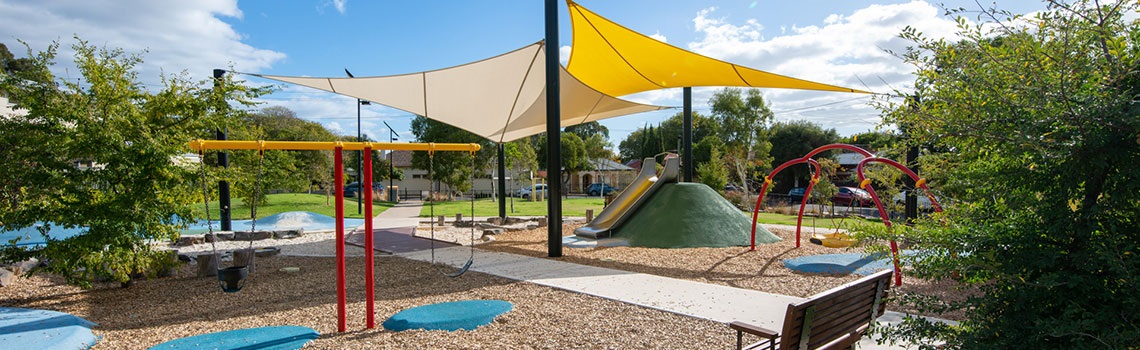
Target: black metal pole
{"x": 502, "y": 185}
{"x": 687, "y": 134}
{"x": 223, "y": 161}
{"x": 392, "y": 195}
{"x": 553, "y": 136}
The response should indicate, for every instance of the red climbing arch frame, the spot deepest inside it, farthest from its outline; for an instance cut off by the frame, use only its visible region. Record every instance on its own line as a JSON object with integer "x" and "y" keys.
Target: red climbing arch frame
{"x": 863, "y": 183}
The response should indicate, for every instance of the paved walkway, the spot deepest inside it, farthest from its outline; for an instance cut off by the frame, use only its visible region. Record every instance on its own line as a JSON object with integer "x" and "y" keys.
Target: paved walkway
{"x": 701, "y": 300}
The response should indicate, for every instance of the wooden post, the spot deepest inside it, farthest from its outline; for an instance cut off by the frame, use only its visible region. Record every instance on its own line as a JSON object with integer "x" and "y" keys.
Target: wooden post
{"x": 244, "y": 257}
{"x": 207, "y": 265}
{"x": 589, "y": 215}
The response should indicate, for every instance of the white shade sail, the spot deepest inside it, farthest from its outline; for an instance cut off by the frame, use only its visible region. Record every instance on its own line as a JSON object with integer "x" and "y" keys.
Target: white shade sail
{"x": 502, "y": 98}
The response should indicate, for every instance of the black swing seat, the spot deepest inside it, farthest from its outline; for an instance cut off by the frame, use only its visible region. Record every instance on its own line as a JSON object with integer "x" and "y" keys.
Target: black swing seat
{"x": 232, "y": 279}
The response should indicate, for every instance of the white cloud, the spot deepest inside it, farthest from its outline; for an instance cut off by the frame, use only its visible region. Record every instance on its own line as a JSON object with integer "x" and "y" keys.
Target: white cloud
{"x": 339, "y": 5}
{"x": 564, "y": 54}
{"x": 172, "y": 36}
{"x": 660, "y": 37}
{"x": 843, "y": 49}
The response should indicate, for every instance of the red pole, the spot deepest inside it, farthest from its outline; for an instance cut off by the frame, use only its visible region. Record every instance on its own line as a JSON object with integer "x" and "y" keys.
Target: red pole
{"x": 370, "y": 319}
{"x": 341, "y": 297}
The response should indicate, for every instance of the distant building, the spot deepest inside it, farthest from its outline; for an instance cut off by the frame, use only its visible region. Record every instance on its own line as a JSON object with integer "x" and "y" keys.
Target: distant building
{"x": 605, "y": 171}
{"x": 416, "y": 181}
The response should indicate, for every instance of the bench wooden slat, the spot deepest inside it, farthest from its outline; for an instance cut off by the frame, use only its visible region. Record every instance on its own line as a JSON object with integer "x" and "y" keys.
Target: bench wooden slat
{"x": 835, "y": 318}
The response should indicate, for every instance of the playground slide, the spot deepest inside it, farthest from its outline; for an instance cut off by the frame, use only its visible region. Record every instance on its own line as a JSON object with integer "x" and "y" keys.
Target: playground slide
{"x": 634, "y": 195}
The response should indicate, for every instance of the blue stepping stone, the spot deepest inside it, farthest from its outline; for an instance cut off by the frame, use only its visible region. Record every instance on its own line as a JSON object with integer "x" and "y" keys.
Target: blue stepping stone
{"x": 43, "y": 329}
{"x": 843, "y": 264}
{"x": 449, "y": 316}
{"x": 275, "y": 338}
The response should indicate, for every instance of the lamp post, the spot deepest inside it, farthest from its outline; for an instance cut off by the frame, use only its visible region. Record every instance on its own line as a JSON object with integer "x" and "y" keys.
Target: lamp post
{"x": 360, "y": 159}
{"x": 391, "y": 163}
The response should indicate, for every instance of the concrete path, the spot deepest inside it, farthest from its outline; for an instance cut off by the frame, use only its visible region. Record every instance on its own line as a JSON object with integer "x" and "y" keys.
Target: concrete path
{"x": 695, "y": 299}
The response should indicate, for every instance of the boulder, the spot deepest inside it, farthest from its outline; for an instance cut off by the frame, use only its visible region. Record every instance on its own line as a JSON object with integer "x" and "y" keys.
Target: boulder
{"x": 492, "y": 231}
{"x": 252, "y": 236}
{"x": 23, "y": 267}
{"x": 288, "y": 234}
{"x": 222, "y": 236}
{"x": 7, "y": 278}
{"x": 189, "y": 240}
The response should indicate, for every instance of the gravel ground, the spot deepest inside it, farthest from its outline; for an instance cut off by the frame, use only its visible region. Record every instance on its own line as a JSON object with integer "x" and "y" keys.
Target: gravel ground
{"x": 154, "y": 311}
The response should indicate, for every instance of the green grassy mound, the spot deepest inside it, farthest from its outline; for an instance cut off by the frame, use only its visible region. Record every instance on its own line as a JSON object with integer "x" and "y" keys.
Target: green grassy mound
{"x": 688, "y": 215}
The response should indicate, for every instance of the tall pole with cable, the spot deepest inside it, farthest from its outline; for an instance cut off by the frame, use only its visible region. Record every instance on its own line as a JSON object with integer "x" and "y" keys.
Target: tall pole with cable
{"x": 360, "y": 155}
{"x": 391, "y": 163}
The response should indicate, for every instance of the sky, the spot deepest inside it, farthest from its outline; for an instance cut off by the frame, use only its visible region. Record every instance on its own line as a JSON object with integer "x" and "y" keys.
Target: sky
{"x": 843, "y": 43}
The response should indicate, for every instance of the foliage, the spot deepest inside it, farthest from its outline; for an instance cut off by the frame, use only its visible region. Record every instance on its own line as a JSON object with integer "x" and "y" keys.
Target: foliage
{"x": 132, "y": 185}
{"x": 454, "y": 169}
{"x": 585, "y": 130}
{"x": 520, "y": 158}
{"x": 743, "y": 124}
{"x": 713, "y": 173}
{"x": 794, "y": 139}
{"x": 666, "y": 137}
{"x": 1041, "y": 118}
{"x": 574, "y": 156}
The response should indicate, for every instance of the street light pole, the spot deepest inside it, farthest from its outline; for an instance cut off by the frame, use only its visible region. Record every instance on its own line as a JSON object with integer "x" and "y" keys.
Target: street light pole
{"x": 391, "y": 163}
{"x": 360, "y": 158}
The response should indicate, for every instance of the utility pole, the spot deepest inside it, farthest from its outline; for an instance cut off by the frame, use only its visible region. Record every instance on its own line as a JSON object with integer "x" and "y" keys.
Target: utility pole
{"x": 224, "y": 162}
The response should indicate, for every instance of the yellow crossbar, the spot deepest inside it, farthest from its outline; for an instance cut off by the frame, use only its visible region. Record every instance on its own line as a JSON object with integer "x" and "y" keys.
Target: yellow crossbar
{"x": 203, "y": 145}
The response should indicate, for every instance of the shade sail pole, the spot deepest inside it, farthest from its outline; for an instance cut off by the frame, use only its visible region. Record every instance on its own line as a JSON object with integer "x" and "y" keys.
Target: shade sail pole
{"x": 553, "y": 136}
{"x": 687, "y": 136}
{"x": 502, "y": 185}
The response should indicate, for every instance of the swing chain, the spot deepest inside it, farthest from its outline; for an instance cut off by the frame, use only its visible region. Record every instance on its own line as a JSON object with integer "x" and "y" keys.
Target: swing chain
{"x": 206, "y": 203}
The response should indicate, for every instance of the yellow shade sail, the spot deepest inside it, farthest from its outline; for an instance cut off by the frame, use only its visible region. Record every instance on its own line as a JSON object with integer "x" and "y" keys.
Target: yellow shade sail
{"x": 618, "y": 61}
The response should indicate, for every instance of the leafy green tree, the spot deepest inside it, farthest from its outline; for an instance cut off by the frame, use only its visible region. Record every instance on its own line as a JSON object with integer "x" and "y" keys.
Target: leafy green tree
{"x": 132, "y": 185}
{"x": 743, "y": 127}
{"x": 453, "y": 169}
{"x": 794, "y": 139}
{"x": 1040, "y": 115}
{"x": 585, "y": 130}
{"x": 713, "y": 173}
{"x": 521, "y": 158}
{"x": 574, "y": 156}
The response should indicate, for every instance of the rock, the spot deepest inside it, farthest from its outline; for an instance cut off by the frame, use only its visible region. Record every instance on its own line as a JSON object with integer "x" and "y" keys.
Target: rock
{"x": 265, "y": 252}
{"x": 494, "y": 220}
{"x": 487, "y": 238}
{"x": 288, "y": 234}
{"x": 492, "y": 231}
{"x": 23, "y": 267}
{"x": 185, "y": 258}
{"x": 189, "y": 240}
{"x": 252, "y": 236}
{"x": 7, "y": 278}
{"x": 541, "y": 222}
{"x": 531, "y": 226}
{"x": 222, "y": 236}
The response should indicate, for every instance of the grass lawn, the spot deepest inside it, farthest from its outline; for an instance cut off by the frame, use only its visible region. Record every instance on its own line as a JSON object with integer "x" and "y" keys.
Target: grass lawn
{"x": 283, "y": 202}
{"x": 522, "y": 207}
{"x": 577, "y": 207}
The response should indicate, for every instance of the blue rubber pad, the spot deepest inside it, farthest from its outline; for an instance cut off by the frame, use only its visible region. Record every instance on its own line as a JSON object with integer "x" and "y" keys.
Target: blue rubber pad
{"x": 43, "y": 329}
{"x": 449, "y": 316}
{"x": 843, "y": 264}
{"x": 275, "y": 338}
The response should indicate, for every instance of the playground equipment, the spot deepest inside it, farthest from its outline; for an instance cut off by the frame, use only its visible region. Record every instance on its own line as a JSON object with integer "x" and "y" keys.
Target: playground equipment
{"x": 471, "y": 258}
{"x": 338, "y": 166}
{"x": 232, "y": 278}
{"x": 864, "y": 183}
{"x": 631, "y": 198}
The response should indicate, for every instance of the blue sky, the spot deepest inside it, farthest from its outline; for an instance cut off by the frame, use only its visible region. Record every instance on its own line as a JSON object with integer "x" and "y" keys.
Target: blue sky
{"x": 835, "y": 42}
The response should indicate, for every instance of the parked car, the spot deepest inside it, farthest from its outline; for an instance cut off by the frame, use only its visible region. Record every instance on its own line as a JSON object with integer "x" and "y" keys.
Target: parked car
{"x": 352, "y": 189}
{"x": 732, "y": 188}
{"x": 847, "y": 196}
{"x": 600, "y": 189}
{"x": 539, "y": 189}
{"x": 852, "y": 197}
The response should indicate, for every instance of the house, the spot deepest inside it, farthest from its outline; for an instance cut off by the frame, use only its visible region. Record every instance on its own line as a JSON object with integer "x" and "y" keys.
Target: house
{"x": 605, "y": 171}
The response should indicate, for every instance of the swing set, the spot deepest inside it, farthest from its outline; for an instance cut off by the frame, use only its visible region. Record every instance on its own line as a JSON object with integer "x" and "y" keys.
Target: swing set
{"x": 864, "y": 183}
{"x": 232, "y": 278}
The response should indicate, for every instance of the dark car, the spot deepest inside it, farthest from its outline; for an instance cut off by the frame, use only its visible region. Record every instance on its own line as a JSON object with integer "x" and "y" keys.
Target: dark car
{"x": 732, "y": 188}
{"x": 852, "y": 197}
{"x": 352, "y": 189}
{"x": 847, "y": 196}
{"x": 600, "y": 189}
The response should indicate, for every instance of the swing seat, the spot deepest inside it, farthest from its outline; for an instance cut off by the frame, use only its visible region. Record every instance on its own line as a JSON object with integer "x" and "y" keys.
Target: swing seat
{"x": 232, "y": 279}
{"x": 832, "y": 240}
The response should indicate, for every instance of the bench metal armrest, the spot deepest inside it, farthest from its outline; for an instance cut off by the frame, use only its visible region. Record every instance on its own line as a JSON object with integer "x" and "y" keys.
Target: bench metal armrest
{"x": 762, "y": 332}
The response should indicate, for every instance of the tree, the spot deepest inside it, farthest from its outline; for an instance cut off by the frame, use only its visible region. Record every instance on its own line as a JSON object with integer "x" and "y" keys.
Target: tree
{"x": 574, "y": 156}
{"x": 791, "y": 140}
{"x": 713, "y": 173}
{"x": 136, "y": 188}
{"x": 1040, "y": 117}
{"x": 453, "y": 169}
{"x": 743, "y": 123}
{"x": 585, "y": 130}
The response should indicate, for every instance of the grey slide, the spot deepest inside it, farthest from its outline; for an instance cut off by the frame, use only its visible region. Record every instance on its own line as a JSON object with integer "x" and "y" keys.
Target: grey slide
{"x": 631, "y": 198}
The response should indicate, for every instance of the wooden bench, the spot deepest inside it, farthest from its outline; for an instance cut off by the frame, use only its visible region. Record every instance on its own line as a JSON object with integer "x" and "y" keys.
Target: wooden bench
{"x": 834, "y": 319}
